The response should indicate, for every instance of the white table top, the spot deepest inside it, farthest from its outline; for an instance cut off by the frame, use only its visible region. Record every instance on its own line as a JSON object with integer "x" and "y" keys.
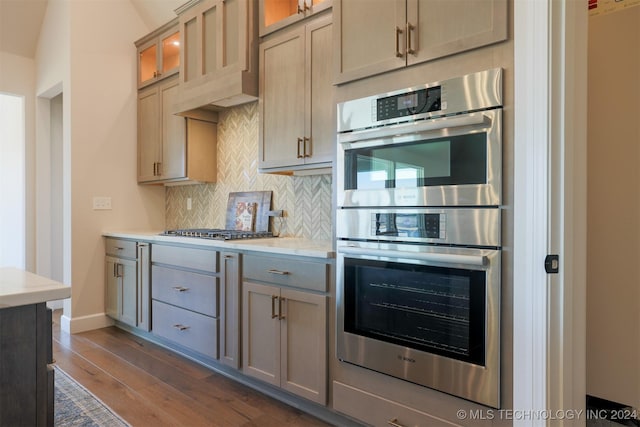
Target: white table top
{"x": 19, "y": 287}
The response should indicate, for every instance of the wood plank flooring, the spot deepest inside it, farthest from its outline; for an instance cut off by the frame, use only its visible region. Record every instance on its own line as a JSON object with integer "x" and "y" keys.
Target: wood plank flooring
{"x": 148, "y": 385}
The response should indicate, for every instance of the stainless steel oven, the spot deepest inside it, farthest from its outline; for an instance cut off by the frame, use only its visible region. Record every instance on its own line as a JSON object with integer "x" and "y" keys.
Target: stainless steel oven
{"x": 438, "y": 144}
{"x": 418, "y": 231}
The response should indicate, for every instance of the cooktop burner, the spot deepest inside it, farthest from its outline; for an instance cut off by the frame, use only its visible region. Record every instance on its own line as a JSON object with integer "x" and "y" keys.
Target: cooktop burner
{"x": 217, "y": 234}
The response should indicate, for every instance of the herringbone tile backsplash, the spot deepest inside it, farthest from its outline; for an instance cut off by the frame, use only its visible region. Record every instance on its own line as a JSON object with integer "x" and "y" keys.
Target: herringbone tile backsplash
{"x": 306, "y": 200}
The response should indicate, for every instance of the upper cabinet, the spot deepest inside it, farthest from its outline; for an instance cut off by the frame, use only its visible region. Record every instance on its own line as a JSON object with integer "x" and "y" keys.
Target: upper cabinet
{"x": 297, "y": 125}
{"x": 218, "y": 66}
{"x": 375, "y": 37}
{"x": 276, "y": 14}
{"x": 172, "y": 148}
{"x": 159, "y": 54}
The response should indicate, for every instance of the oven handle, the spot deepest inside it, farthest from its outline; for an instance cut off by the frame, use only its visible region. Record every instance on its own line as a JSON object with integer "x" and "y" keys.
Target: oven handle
{"x": 477, "y": 260}
{"x": 473, "y": 119}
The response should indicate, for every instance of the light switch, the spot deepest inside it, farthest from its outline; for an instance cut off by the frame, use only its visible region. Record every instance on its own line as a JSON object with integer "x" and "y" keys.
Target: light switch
{"x": 101, "y": 203}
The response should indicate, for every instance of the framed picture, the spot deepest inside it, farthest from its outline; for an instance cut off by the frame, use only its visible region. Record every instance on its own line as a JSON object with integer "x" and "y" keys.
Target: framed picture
{"x": 240, "y": 203}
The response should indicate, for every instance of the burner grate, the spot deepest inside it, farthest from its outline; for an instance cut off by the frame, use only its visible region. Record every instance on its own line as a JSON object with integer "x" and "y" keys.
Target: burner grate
{"x": 217, "y": 234}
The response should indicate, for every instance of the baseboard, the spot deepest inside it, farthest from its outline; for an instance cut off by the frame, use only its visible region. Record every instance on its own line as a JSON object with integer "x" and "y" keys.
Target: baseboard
{"x": 84, "y": 323}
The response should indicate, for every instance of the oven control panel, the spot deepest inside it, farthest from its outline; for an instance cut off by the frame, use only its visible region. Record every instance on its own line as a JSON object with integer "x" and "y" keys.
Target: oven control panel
{"x": 409, "y": 224}
{"x": 407, "y": 104}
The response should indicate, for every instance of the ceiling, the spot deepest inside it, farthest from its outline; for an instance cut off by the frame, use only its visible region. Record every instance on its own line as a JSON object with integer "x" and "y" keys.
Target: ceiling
{"x": 20, "y": 21}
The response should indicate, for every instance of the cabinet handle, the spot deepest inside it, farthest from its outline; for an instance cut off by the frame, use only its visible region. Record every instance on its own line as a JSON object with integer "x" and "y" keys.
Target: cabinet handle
{"x": 228, "y": 256}
{"x": 410, "y": 49}
{"x": 305, "y": 140}
{"x": 115, "y": 271}
{"x": 117, "y": 248}
{"x": 273, "y": 306}
{"x": 280, "y": 315}
{"x": 118, "y": 267}
{"x": 394, "y": 423}
{"x": 154, "y": 169}
{"x": 281, "y": 273}
{"x": 398, "y": 32}
{"x": 304, "y": 8}
{"x": 300, "y": 141}
{"x": 180, "y": 289}
{"x": 159, "y": 168}
{"x": 155, "y": 74}
{"x": 181, "y": 327}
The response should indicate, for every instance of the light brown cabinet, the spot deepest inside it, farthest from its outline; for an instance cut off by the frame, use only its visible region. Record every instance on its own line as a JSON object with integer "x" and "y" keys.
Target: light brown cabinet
{"x": 277, "y": 14}
{"x": 159, "y": 54}
{"x": 219, "y": 53}
{"x": 297, "y": 129}
{"x": 230, "y": 295}
{"x": 127, "y": 294}
{"x": 284, "y": 330}
{"x": 375, "y": 37}
{"x": 170, "y": 147}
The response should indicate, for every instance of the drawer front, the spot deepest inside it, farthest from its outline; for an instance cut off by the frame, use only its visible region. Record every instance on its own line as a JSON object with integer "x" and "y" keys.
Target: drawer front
{"x": 192, "y": 330}
{"x": 378, "y": 411}
{"x": 192, "y": 258}
{"x": 121, "y": 248}
{"x": 299, "y": 274}
{"x": 193, "y": 291}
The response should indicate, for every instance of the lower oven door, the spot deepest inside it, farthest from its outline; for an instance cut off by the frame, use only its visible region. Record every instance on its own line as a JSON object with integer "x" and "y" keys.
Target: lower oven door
{"x": 425, "y": 314}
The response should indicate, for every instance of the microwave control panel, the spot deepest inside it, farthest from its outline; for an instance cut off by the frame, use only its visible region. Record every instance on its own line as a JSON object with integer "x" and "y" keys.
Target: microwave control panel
{"x": 423, "y": 225}
{"x": 408, "y": 104}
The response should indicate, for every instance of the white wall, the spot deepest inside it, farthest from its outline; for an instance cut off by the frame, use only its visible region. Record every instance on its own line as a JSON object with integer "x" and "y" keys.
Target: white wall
{"x": 17, "y": 76}
{"x": 86, "y": 51}
{"x": 12, "y": 181}
{"x": 613, "y": 233}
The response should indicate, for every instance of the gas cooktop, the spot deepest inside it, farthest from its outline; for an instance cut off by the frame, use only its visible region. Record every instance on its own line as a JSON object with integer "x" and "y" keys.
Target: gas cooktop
{"x": 217, "y": 234}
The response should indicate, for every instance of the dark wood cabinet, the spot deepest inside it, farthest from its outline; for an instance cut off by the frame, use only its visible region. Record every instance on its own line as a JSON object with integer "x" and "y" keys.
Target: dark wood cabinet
{"x": 26, "y": 382}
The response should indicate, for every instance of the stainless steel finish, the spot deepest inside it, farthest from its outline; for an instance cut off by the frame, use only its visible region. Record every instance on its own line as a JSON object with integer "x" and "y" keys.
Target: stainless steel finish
{"x": 461, "y": 226}
{"x": 410, "y": 49}
{"x": 478, "y": 91}
{"x": 438, "y": 258}
{"x": 280, "y": 315}
{"x": 181, "y": 327}
{"x": 398, "y": 53}
{"x": 488, "y": 194}
{"x": 180, "y": 289}
{"x": 477, "y": 383}
{"x": 282, "y": 273}
{"x": 273, "y": 309}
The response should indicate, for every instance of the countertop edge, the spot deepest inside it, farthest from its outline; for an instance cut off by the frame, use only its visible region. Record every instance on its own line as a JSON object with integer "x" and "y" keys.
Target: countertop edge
{"x": 276, "y": 245}
{"x": 19, "y": 287}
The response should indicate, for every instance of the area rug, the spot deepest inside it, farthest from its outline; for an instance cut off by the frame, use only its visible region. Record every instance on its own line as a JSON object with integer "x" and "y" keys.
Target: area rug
{"x": 76, "y": 406}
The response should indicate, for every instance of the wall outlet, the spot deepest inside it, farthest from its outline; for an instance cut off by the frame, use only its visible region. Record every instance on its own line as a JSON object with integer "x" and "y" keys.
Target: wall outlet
{"x": 188, "y": 203}
{"x": 101, "y": 203}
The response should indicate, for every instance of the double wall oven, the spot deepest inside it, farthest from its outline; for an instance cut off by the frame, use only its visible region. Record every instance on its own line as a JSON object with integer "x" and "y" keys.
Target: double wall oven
{"x": 419, "y": 177}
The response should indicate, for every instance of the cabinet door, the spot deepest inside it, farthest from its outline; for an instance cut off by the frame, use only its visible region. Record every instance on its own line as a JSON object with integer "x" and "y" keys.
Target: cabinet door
{"x": 230, "y": 309}
{"x": 261, "y": 332}
{"x": 441, "y": 28}
{"x": 282, "y": 100}
{"x": 144, "y": 288}
{"x": 149, "y": 128}
{"x": 276, "y": 14}
{"x": 369, "y": 37}
{"x": 147, "y": 63}
{"x": 112, "y": 284}
{"x": 303, "y": 347}
{"x": 127, "y": 270}
{"x": 169, "y": 54}
{"x": 173, "y": 162}
{"x": 319, "y": 100}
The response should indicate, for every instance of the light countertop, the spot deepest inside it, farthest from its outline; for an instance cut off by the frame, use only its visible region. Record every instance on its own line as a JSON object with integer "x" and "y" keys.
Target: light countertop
{"x": 275, "y": 245}
{"x": 19, "y": 287}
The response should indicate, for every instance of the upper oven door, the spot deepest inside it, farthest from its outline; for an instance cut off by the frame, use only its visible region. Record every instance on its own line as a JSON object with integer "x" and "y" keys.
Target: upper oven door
{"x": 448, "y": 161}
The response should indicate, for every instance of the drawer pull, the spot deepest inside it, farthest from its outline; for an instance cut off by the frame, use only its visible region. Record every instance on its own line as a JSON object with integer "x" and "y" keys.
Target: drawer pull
{"x": 228, "y": 256}
{"x": 273, "y": 306}
{"x": 118, "y": 248}
{"x": 180, "y": 289}
{"x": 181, "y": 327}
{"x": 281, "y": 273}
{"x": 280, "y": 315}
{"x": 394, "y": 423}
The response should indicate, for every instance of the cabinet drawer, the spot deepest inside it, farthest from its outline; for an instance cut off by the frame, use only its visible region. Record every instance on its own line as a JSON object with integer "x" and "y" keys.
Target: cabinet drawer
{"x": 197, "y": 259}
{"x": 299, "y": 274}
{"x": 193, "y": 291}
{"x": 121, "y": 248}
{"x": 192, "y": 330}
{"x": 378, "y": 411}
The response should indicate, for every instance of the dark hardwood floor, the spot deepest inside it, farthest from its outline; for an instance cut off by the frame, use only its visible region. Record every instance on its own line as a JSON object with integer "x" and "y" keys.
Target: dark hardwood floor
{"x": 148, "y": 385}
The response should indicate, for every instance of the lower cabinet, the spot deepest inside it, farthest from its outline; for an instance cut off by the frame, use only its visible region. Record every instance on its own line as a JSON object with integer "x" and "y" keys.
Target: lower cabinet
{"x": 230, "y": 285}
{"x": 127, "y": 282}
{"x": 185, "y": 295}
{"x": 284, "y": 330}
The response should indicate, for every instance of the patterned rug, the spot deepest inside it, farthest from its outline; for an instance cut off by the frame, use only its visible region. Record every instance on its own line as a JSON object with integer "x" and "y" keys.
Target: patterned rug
{"x": 76, "y": 406}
